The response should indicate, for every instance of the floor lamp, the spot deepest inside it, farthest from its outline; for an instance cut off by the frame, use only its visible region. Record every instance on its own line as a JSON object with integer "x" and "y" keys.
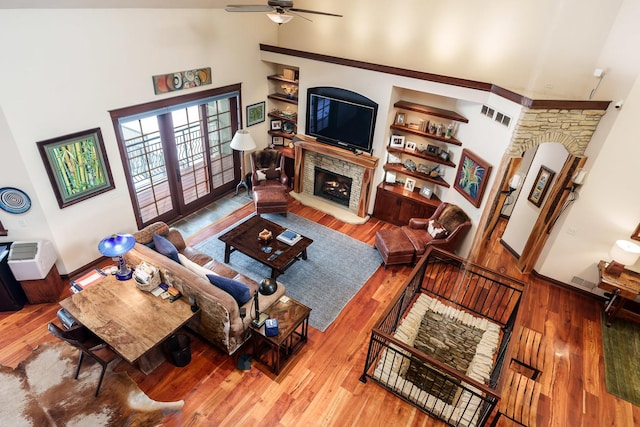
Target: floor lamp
{"x": 242, "y": 141}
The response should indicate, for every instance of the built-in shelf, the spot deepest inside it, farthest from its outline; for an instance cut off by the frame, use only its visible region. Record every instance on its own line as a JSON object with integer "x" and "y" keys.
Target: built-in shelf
{"x": 282, "y": 134}
{"x": 398, "y": 168}
{"x": 435, "y": 137}
{"x": 284, "y": 98}
{"x": 293, "y": 119}
{"x": 276, "y": 84}
{"x": 282, "y": 79}
{"x": 420, "y": 155}
{"x": 432, "y": 111}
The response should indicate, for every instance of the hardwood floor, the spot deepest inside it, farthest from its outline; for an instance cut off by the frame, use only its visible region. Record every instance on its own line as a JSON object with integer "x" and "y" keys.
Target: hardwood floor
{"x": 321, "y": 386}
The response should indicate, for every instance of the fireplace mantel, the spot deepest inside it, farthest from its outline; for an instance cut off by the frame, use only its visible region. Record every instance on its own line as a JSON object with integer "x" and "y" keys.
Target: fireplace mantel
{"x": 368, "y": 162}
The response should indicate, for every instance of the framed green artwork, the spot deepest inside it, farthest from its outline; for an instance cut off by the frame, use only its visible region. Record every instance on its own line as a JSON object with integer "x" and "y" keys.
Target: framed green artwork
{"x": 255, "y": 113}
{"x": 77, "y": 166}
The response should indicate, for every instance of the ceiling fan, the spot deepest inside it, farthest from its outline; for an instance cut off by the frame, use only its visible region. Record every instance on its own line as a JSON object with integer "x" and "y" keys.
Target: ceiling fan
{"x": 277, "y": 10}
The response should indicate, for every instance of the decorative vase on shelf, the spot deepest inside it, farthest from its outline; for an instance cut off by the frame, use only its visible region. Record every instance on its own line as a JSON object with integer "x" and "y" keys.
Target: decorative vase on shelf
{"x": 290, "y": 91}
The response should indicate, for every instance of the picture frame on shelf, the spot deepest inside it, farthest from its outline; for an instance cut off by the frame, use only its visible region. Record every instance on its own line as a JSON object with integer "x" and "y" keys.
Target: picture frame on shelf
{"x": 276, "y": 124}
{"x": 432, "y": 149}
{"x": 472, "y": 177}
{"x": 410, "y": 145}
{"x": 277, "y": 141}
{"x": 390, "y": 177}
{"x": 425, "y": 191}
{"x": 410, "y": 184}
{"x": 444, "y": 155}
{"x": 255, "y": 113}
{"x": 400, "y": 119}
{"x": 74, "y": 180}
{"x": 541, "y": 185}
{"x": 393, "y": 159}
{"x": 397, "y": 141}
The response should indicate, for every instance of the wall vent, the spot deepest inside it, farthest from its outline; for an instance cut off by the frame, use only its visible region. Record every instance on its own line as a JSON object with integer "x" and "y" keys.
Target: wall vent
{"x": 503, "y": 119}
{"x": 499, "y": 117}
{"x": 488, "y": 111}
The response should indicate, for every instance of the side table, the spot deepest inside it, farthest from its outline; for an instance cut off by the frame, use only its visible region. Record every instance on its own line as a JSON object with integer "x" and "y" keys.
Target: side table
{"x": 623, "y": 288}
{"x": 293, "y": 322}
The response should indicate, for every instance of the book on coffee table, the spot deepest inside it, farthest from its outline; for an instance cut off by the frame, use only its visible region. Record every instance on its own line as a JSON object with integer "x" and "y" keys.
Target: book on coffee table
{"x": 289, "y": 237}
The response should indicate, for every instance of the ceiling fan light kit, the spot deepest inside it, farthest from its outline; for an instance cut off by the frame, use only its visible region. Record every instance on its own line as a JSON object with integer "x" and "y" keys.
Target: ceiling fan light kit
{"x": 277, "y": 10}
{"x": 279, "y": 18}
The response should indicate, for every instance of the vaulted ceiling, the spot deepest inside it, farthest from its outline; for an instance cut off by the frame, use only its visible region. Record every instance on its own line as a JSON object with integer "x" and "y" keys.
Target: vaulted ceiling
{"x": 121, "y": 4}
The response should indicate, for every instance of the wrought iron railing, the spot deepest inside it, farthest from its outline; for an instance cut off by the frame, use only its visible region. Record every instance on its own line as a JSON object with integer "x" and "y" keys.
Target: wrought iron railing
{"x": 448, "y": 395}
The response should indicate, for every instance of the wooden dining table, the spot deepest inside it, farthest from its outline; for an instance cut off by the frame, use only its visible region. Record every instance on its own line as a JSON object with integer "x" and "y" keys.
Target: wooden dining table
{"x": 134, "y": 323}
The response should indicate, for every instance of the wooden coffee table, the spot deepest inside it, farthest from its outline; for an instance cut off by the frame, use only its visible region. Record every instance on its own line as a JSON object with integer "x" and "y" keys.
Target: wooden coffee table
{"x": 293, "y": 323}
{"x": 132, "y": 322}
{"x": 244, "y": 239}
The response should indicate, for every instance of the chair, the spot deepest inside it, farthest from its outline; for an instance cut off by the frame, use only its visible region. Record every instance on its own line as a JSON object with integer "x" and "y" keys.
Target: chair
{"x": 88, "y": 343}
{"x": 519, "y": 400}
{"x": 445, "y": 229}
{"x": 267, "y": 168}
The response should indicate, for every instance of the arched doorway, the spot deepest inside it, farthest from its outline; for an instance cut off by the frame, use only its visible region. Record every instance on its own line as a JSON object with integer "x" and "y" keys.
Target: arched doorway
{"x": 572, "y": 129}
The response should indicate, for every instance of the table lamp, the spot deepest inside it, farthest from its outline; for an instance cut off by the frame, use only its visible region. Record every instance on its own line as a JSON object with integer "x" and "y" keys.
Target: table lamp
{"x": 268, "y": 286}
{"x": 242, "y": 141}
{"x": 116, "y": 246}
{"x": 622, "y": 253}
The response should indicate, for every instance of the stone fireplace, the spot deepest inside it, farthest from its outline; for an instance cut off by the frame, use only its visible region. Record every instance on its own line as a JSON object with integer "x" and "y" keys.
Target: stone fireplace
{"x": 345, "y": 178}
{"x": 332, "y": 186}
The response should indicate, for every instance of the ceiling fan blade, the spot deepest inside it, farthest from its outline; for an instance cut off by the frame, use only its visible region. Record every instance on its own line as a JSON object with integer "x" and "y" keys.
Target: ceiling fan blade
{"x": 248, "y": 8}
{"x": 298, "y": 15}
{"x": 294, "y": 9}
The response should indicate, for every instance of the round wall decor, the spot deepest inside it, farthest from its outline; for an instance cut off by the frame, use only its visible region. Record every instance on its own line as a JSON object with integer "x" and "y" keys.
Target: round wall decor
{"x": 14, "y": 201}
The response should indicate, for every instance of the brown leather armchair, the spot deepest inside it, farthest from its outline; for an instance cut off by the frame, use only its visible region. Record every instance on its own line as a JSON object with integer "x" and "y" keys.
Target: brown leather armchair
{"x": 445, "y": 229}
{"x": 267, "y": 168}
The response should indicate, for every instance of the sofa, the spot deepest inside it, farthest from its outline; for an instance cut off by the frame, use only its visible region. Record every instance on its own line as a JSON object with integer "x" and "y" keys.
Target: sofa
{"x": 218, "y": 320}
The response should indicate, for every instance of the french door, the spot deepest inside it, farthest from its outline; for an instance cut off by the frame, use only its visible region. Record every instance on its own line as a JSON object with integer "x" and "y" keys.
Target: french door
{"x": 177, "y": 157}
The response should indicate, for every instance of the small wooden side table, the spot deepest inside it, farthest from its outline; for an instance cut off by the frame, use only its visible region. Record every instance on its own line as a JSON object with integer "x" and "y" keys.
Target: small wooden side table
{"x": 623, "y": 288}
{"x": 293, "y": 322}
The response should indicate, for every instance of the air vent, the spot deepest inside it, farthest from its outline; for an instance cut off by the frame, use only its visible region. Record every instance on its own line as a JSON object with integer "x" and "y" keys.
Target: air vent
{"x": 499, "y": 117}
{"x": 503, "y": 119}
{"x": 488, "y": 111}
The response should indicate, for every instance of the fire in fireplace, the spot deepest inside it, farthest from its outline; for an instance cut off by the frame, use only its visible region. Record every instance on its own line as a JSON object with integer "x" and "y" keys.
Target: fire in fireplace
{"x": 332, "y": 186}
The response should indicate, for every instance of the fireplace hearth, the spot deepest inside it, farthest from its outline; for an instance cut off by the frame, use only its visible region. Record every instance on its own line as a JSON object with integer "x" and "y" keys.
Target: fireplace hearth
{"x": 332, "y": 186}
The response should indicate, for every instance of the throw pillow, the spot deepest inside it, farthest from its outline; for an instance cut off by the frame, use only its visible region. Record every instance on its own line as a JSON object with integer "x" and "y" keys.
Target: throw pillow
{"x": 238, "y": 290}
{"x": 195, "y": 267}
{"x": 436, "y": 230}
{"x": 273, "y": 173}
{"x": 262, "y": 175}
{"x": 165, "y": 247}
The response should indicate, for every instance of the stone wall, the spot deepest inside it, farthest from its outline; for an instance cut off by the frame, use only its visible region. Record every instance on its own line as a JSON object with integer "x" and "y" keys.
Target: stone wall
{"x": 335, "y": 165}
{"x": 571, "y": 128}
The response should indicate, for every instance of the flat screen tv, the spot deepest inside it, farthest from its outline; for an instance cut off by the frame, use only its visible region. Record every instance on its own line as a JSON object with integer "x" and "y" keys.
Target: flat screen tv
{"x": 341, "y": 117}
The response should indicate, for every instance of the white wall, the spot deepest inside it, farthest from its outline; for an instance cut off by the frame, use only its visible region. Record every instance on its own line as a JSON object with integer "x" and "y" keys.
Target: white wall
{"x": 525, "y": 213}
{"x": 481, "y": 135}
{"x": 547, "y": 47}
{"x": 65, "y": 69}
{"x": 607, "y": 208}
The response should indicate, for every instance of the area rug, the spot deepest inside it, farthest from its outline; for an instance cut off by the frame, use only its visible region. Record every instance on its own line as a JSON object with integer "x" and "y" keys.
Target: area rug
{"x": 621, "y": 347}
{"x": 336, "y": 268}
{"x": 41, "y": 391}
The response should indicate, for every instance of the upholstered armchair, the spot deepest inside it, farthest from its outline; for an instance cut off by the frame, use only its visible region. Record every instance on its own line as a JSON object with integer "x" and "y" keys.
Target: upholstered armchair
{"x": 267, "y": 168}
{"x": 445, "y": 229}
